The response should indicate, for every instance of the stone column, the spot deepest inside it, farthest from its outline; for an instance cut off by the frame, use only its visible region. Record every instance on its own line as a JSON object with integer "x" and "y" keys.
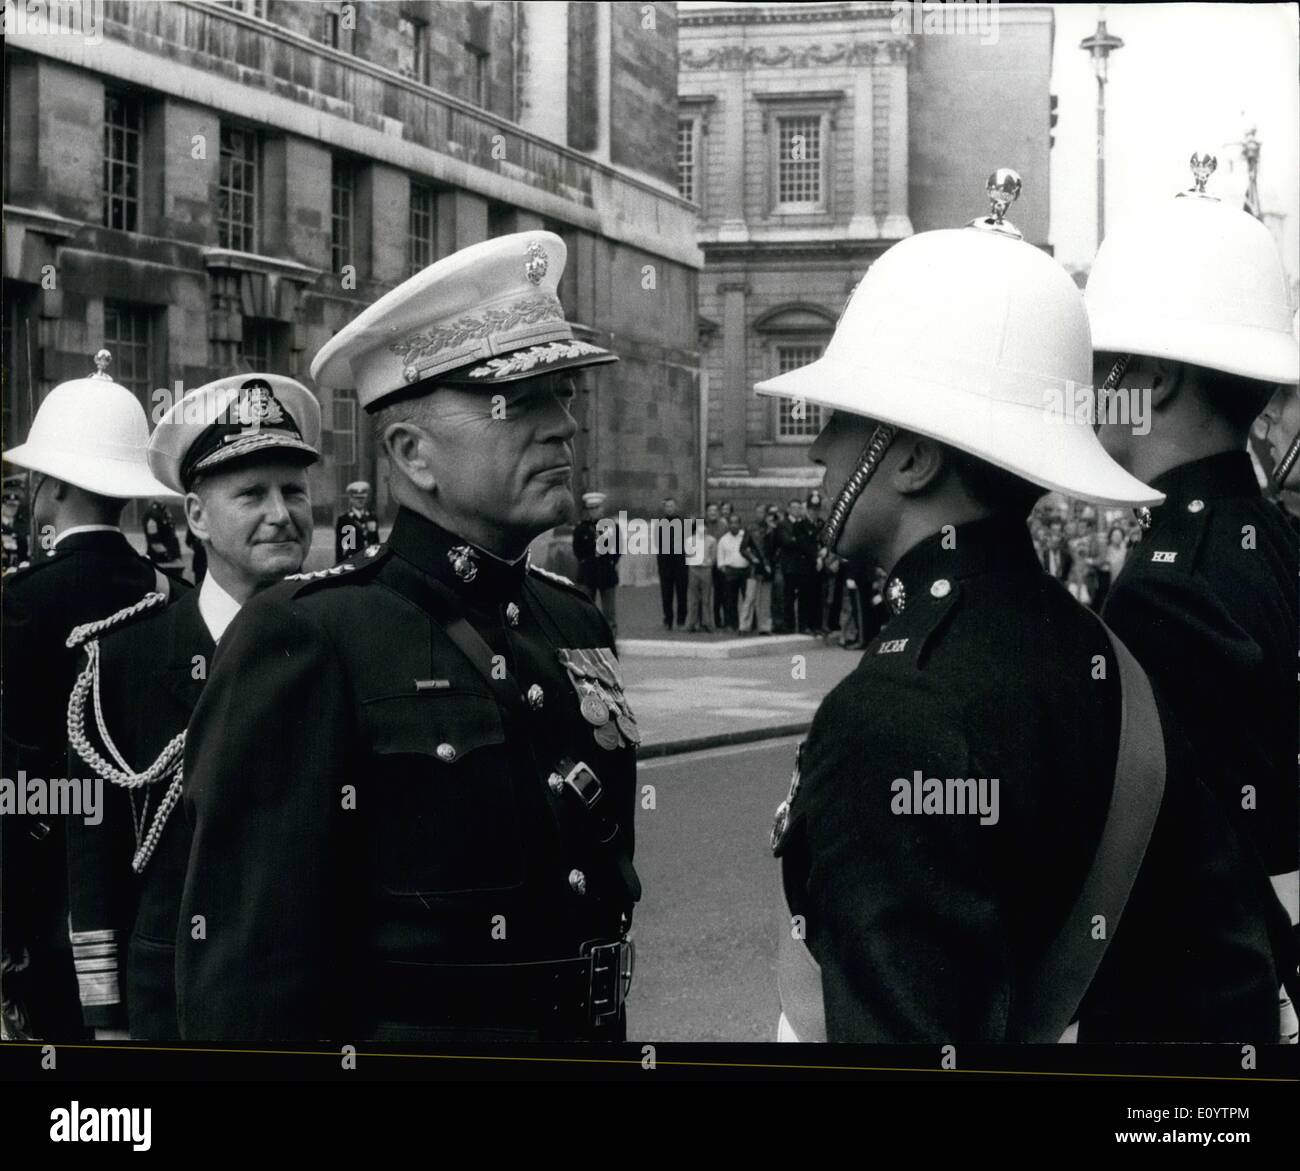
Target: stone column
{"x": 735, "y": 387}
{"x": 890, "y": 82}
{"x": 733, "y": 227}
{"x": 863, "y": 225}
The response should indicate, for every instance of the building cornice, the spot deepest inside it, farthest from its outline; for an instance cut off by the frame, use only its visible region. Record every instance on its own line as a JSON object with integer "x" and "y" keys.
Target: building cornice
{"x": 783, "y": 14}
{"x": 878, "y": 51}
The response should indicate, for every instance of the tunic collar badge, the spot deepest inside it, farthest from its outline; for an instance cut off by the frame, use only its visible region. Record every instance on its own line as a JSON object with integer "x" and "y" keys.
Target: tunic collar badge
{"x": 463, "y": 563}
{"x": 896, "y": 595}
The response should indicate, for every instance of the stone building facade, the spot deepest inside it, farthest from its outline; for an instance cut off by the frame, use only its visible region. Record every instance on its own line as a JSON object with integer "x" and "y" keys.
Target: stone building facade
{"x": 208, "y": 187}
{"x": 812, "y": 137}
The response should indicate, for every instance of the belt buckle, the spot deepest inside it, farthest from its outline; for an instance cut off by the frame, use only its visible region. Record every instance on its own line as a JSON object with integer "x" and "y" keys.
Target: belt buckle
{"x": 611, "y": 978}
{"x": 584, "y": 783}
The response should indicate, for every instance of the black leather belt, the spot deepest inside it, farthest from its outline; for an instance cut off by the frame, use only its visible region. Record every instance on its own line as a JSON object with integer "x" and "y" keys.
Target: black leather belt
{"x": 587, "y": 991}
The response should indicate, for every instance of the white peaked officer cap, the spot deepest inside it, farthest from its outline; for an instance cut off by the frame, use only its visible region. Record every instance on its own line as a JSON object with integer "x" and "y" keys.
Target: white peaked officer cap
{"x": 1199, "y": 281}
{"x": 485, "y": 315}
{"x": 593, "y": 499}
{"x": 979, "y": 340}
{"x": 232, "y": 419}
{"x": 93, "y": 433}
{"x": 357, "y": 486}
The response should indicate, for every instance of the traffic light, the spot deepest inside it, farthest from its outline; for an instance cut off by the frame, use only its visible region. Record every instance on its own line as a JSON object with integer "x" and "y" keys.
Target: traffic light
{"x": 1052, "y": 115}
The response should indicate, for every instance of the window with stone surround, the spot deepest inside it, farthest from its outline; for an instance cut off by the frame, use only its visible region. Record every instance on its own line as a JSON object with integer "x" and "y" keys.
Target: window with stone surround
{"x": 123, "y": 124}
{"x": 478, "y": 75}
{"x": 420, "y": 229}
{"x": 413, "y": 49}
{"x": 237, "y": 189}
{"x": 797, "y": 421}
{"x": 342, "y": 201}
{"x": 129, "y": 337}
{"x": 688, "y": 158}
{"x": 343, "y": 426}
{"x": 253, "y": 8}
{"x": 800, "y": 162}
{"x": 260, "y": 348}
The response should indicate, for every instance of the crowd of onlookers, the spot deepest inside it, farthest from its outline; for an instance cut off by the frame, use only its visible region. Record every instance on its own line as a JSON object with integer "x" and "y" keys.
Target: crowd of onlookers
{"x": 1082, "y": 548}
{"x": 767, "y": 573}
{"x": 770, "y": 572}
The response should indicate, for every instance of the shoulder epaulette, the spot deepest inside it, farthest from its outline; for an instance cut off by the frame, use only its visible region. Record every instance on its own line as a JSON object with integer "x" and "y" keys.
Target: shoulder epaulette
{"x": 91, "y": 630}
{"x": 368, "y": 556}
{"x": 558, "y": 578}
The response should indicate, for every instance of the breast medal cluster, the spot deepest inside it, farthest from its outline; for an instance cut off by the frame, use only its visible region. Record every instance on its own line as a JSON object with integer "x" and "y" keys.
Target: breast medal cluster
{"x": 594, "y": 674}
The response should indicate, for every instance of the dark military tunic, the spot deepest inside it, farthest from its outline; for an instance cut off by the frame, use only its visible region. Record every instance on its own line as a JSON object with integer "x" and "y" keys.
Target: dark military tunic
{"x": 369, "y": 810}
{"x": 88, "y": 576}
{"x": 353, "y": 533}
{"x": 152, "y": 671}
{"x": 1208, "y": 603}
{"x": 928, "y": 926}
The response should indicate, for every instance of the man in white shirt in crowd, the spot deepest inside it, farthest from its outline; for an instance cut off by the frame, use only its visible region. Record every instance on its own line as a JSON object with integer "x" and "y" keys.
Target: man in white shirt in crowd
{"x": 701, "y": 556}
{"x": 734, "y": 567}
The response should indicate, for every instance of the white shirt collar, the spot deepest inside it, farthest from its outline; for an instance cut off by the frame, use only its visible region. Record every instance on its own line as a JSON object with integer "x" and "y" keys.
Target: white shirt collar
{"x": 86, "y": 529}
{"x": 216, "y": 607}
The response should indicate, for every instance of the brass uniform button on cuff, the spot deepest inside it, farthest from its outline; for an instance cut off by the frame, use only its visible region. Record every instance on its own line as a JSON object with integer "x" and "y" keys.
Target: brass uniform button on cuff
{"x": 941, "y": 588}
{"x": 536, "y": 697}
{"x": 1196, "y": 506}
{"x": 446, "y": 752}
{"x": 577, "y": 882}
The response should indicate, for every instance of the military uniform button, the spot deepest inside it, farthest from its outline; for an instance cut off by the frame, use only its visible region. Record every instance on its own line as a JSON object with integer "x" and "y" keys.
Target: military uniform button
{"x": 446, "y": 752}
{"x": 577, "y": 882}
{"x": 1196, "y": 506}
{"x": 556, "y": 782}
{"x": 941, "y": 588}
{"x": 512, "y": 614}
{"x": 536, "y": 697}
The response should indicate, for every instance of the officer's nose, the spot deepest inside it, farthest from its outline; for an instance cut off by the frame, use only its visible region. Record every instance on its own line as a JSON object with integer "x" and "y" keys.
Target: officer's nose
{"x": 276, "y": 510}
{"x": 559, "y": 422}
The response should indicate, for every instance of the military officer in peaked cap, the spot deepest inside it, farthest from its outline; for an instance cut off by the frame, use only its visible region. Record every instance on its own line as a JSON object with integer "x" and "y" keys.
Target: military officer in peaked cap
{"x": 1189, "y": 309}
{"x": 995, "y": 780}
{"x": 412, "y": 775}
{"x": 237, "y": 449}
{"x": 358, "y": 527}
{"x": 86, "y": 453}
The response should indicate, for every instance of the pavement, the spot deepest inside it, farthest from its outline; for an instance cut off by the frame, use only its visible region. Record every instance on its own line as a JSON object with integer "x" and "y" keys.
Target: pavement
{"x": 696, "y": 691}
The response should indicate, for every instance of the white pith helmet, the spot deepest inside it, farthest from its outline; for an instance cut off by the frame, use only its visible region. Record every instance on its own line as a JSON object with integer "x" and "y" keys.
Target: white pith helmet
{"x": 974, "y": 338}
{"x": 93, "y": 433}
{"x": 1197, "y": 280}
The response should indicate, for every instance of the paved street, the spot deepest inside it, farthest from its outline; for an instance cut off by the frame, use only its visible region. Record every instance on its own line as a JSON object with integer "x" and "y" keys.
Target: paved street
{"x": 706, "y": 927}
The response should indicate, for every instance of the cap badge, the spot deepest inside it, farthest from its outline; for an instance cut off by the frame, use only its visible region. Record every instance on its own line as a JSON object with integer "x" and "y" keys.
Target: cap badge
{"x": 462, "y": 562}
{"x": 537, "y": 263}
{"x": 257, "y": 405}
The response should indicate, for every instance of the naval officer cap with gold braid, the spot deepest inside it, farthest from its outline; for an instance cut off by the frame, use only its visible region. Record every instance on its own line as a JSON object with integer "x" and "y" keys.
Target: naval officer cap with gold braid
{"x": 485, "y": 315}
{"x": 234, "y": 418}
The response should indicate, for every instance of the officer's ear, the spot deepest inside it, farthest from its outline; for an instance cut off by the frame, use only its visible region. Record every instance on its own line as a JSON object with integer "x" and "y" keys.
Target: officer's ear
{"x": 918, "y": 463}
{"x": 1164, "y": 376}
{"x": 411, "y": 450}
{"x": 196, "y": 515}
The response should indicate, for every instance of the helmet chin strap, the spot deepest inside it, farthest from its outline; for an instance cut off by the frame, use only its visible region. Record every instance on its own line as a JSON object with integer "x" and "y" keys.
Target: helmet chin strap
{"x": 868, "y": 461}
{"x": 1287, "y": 462}
{"x": 1100, "y": 405}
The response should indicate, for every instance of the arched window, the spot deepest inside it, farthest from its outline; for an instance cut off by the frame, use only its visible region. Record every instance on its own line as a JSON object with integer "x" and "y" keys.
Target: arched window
{"x": 794, "y": 335}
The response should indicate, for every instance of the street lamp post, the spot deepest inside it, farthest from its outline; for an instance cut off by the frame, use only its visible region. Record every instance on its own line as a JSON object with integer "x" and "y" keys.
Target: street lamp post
{"x": 1100, "y": 46}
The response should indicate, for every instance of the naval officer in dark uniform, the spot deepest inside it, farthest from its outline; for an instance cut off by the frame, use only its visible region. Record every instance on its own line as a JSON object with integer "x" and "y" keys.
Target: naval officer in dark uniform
{"x": 237, "y": 450}
{"x": 992, "y": 834}
{"x": 412, "y": 775}
{"x": 1190, "y": 312}
{"x": 86, "y": 450}
{"x": 358, "y": 527}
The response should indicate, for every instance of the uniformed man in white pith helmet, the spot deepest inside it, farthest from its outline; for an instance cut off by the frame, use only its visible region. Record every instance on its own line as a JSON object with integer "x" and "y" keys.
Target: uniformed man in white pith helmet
{"x": 449, "y": 797}
{"x": 964, "y": 806}
{"x": 238, "y": 449}
{"x": 86, "y": 455}
{"x": 1190, "y": 316}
